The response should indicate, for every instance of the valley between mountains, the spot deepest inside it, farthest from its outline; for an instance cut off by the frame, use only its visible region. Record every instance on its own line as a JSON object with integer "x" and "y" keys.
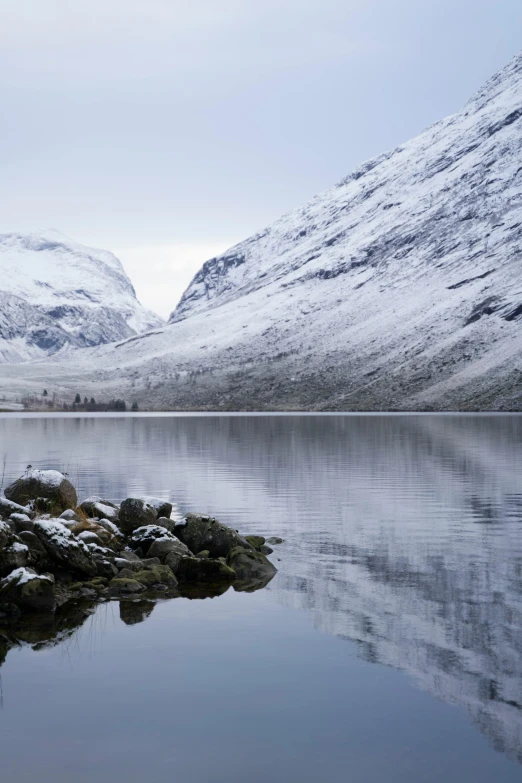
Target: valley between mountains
{"x": 398, "y": 289}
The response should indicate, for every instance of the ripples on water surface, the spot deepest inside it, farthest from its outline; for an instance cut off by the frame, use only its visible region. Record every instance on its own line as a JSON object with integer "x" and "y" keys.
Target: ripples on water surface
{"x": 388, "y": 647}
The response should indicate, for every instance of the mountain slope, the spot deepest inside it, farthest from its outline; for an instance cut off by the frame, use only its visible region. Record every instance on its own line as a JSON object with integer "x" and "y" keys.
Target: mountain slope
{"x": 55, "y": 293}
{"x": 400, "y": 288}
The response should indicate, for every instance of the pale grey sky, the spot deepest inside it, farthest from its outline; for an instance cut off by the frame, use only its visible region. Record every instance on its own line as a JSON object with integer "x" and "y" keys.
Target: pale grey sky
{"x": 166, "y": 130}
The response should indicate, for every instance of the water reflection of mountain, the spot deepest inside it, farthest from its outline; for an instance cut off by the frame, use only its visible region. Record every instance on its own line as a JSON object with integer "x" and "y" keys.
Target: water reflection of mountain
{"x": 403, "y": 534}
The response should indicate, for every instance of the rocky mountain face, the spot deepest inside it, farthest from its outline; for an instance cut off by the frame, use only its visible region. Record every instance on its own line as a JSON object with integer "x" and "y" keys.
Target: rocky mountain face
{"x": 56, "y": 294}
{"x": 399, "y": 288}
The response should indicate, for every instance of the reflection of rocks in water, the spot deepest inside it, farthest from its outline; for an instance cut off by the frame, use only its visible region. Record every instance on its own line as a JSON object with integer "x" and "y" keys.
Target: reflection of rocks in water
{"x": 134, "y": 612}
{"x": 41, "y": 631}
{"x": 44, "y": 630}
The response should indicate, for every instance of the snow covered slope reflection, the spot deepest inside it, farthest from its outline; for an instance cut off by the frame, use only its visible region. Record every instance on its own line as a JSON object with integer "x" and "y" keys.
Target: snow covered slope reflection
{"x": 403, "y": 534}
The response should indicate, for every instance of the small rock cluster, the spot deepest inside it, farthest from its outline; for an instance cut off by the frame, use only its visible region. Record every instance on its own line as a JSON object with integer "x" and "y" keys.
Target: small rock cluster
{"x": 54, "y": 550}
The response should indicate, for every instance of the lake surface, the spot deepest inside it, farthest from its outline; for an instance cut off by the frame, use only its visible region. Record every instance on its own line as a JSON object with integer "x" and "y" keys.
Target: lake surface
{"x": 387, "y": 649}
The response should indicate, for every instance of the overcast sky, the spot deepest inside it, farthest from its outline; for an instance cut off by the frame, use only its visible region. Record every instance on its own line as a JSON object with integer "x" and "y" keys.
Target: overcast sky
{"x": 167, "y": 130}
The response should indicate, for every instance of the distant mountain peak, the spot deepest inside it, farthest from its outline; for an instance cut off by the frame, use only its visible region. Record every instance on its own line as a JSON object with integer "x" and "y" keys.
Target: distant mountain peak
{"x": 58, "y": 294}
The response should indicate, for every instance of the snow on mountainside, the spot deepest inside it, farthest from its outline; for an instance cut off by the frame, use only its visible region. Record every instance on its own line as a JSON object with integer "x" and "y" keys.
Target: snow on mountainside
{"x": 400, "y": 288}
{"x": 55, "y": 293}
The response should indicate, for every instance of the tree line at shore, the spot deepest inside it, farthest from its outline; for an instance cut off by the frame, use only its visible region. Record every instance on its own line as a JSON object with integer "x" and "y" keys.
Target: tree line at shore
{"x": 79, "y": 403}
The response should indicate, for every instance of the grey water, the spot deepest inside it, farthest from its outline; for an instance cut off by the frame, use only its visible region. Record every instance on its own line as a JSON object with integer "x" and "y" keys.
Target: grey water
{"x": 387, "y": 649}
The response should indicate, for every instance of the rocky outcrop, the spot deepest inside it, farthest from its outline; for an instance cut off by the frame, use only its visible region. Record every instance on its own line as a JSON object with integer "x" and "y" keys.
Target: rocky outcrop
{"x": 200, "y": 532}
{"x": 98, "y": 550}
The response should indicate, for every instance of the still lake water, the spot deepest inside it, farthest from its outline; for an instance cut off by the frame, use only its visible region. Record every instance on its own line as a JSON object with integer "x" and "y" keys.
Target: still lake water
{"x": 387, "y": 649}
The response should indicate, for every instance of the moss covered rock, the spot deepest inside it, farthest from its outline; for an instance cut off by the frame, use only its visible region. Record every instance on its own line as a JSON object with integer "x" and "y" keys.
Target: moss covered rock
{"x": 249, "y": 564}
{"x": 201, "y": 532}
{"x": 119, "y": 586}
{"x": 256, "y": 541}
{"x": 159, "y": 575}
{"x": 193, "y": 569}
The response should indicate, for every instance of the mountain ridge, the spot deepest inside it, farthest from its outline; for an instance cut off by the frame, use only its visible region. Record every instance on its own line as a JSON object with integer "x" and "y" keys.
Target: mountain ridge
{"x": 400, "y": 288}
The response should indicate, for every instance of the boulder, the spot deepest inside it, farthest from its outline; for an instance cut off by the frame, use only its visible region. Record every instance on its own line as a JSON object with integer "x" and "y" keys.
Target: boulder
{"x": 168, "y": 546}
{"x": 159, "y": 575}
{"x": 29, "y": 591}
{"x": 37, "y": 552}
{"x": 16, "y": 555}
{"x": 112, "y": 528}
{"x": 204, "y": 532}
{"x": 21, "y": 523}
{"x": 135, "y": 513}
{"x": 168, "y": 524}
{"x": 89, "y": 537}
{"x": 132, "y": 565}
{"x": 97, "y": 507}
{"x": 7, "y": 507}
{"x": 70, "y": 515}
{"x": 105, "y": 567}
{"x": 89, "y": 531}
{"x": 6, "y": 535}
{"x": 118, "y": 586}
{"x": 274, "y": 540}
{"x": 193, "y": 569}
{"x": 250, "y": 565}
{"x": 64, "y": 548}
{"x": 128, "y": 554}
{"x": 162, "y": 507}
{"x": 48, "y": 484}
{"x": 143, "y": 537}
{"x": 256, "y": 541}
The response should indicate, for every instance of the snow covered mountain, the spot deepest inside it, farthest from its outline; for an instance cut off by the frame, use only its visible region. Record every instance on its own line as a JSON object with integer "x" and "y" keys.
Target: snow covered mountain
{"x": 55, "y": 293}
{"x": 399, "y": 288}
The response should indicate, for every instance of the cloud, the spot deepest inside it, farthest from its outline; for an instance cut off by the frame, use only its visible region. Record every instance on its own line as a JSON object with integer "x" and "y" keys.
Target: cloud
{"x": 136, "y": 47}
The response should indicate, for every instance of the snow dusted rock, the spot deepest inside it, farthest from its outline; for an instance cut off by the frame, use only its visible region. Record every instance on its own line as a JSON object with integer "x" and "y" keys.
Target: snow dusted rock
{"x": 7, "y": 507}
{"x": 63, "y": 547}
{"x": 135, "y": 513}
{"x": 167, "y": 523}
{"x": 6, "y": 535}
{"x": 169, "y": 550}
{"x": 162, "y": 507}
{"x": 30, "y": 591}
{"x": 15, "y": 555}
{"x": 203, "y": 532}
{"x": 106, "y": 534}
{"x": 69, "y": 515}
{"x": 56, "y": 294}
{"x": 143, "y": 537}
{"x": 48, "y": 484}
{"x": 97, "y": 507}
{"x": 89, "y": 537}
{"x": 21, "y": 522}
